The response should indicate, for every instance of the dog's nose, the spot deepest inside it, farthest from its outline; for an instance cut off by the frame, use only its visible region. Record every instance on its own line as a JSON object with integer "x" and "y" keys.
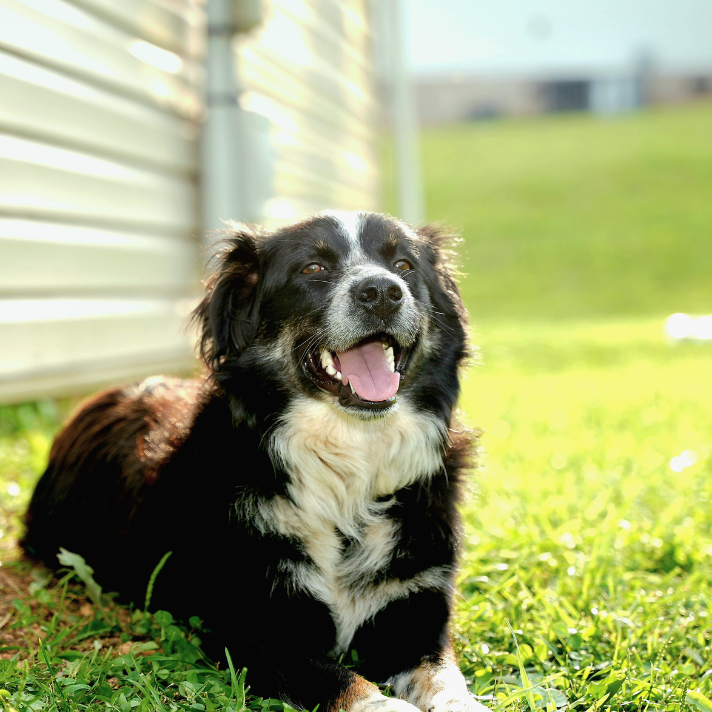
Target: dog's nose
{"x": 380, "y": 295}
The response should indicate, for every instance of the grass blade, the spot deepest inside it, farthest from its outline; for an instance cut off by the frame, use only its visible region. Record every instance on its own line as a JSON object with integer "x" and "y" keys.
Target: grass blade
{"x": 238, "y": 683}
{"x": 152, "y": 580}
{"x": 526, "y": 684}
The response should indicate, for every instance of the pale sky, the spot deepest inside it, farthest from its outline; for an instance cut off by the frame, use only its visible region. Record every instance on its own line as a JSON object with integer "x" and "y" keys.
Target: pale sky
{"x": 516, "y": 36}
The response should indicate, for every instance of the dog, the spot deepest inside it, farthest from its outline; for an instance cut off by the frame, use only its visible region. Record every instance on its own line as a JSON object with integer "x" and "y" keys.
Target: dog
{"x": 308, "y": 486}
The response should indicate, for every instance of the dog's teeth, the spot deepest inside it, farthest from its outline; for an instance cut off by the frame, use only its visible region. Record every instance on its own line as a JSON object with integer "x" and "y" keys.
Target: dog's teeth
{"x": 330, "y": 370}
{"x": 326, "y": 359}
{"x": 353, "y": 390}
{"x": 385, "y": 345}
{"x": 390, "y": 357}
{"x": 338, "y": 376}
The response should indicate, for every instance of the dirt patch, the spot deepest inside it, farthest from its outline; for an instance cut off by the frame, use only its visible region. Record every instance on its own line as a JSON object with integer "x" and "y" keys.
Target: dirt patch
{"x": 26, "y": 616}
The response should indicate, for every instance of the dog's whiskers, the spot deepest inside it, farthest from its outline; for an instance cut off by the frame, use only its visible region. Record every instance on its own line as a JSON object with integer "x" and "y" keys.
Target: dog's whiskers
{"x": 311, "y": 341}
{"x": 449, "y": 331}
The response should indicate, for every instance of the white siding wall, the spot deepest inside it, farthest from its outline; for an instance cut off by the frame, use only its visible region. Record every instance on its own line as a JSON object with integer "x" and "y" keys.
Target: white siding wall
{"x": 100, "y": 109}
{"x": 99, "y": 104}
{"x": 308, "y": 69}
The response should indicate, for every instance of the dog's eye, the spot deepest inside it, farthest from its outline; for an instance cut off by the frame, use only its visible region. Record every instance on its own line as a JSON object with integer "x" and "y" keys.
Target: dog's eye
{"x": 313, "y": 268}
{"x": 402, "y": 265}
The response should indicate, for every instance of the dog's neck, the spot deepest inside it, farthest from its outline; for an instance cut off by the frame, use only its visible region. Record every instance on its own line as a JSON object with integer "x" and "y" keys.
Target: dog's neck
{"x": 338, "y": 465}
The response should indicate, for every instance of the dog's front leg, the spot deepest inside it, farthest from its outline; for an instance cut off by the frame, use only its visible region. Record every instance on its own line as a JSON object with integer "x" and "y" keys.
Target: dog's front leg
{"x": 363, "y": 696}
{"x": 315, "y": 681}
{"x": 436, "y": 685}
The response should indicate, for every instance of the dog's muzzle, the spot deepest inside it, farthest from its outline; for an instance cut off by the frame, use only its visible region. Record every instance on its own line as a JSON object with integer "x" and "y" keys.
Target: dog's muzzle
{"x": 367, "y": 375}
{"x": 379, "y": 295}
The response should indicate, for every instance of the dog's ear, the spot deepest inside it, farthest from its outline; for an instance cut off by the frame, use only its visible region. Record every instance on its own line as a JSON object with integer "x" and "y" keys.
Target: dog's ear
{"x": 228, "y": 315}
{"x": 439, "y": 242}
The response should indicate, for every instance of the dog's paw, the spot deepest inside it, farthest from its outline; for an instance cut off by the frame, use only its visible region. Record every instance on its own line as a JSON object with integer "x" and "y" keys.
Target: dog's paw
{"x": 381, "y": 703}
{"x": 458, "y": 704}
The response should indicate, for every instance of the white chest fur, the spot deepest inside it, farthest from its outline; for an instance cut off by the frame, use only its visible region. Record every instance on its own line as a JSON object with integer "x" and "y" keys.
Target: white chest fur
{"x": 338, "y": 466}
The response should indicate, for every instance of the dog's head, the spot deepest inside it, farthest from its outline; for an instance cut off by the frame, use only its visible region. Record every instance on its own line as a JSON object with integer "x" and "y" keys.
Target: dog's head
{"x": 357, "y": 309}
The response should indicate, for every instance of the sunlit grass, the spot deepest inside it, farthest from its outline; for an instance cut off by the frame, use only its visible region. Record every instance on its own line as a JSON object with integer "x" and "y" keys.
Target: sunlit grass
{"x": 582, "y": 536}
{"x": 26, "y": 433}
{"x": 579, "y": 216}
{"x": 590, "y": 535}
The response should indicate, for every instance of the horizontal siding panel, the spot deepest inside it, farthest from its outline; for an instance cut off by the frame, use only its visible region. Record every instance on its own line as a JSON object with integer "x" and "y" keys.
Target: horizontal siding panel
{"x": 96, "y": 375}
{"x": 308, "y": 69}
{"x": 177, "y": 26}
{"x": 38, "y": 180}
{"x": 338, "y": 102}
{"x": 347, "y": 168}
{"x": 69, "y": 39}
{"x": 45, "y": 337}
{"x": 91, "y": 118}
{"x": 291, "y": 182}
{"x": 339, "y": 31}
{"x": 41, "y": 258}
{"x": 296, "y": 130}
{"x": 324, "y": 177}
{"x": 100, "y": 104}
{"x": 288, "y": 208}
{"x": 317, "y": 147}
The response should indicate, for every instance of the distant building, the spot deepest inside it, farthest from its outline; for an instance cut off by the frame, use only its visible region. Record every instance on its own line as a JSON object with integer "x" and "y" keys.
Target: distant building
{"x": 448, "y": 98}
{"x": 535, "y": 56}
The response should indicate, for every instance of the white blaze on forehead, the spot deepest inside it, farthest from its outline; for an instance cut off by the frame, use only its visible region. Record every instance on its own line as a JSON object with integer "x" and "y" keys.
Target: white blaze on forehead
{"x": 350, "y": 224}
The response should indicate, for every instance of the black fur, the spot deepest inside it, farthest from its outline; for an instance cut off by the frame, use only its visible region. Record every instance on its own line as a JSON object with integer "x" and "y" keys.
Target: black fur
{"x": 183, "y": 466}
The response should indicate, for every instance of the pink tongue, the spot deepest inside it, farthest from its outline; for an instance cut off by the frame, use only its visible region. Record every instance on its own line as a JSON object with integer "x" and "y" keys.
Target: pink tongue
{"x": 366, "y": 367}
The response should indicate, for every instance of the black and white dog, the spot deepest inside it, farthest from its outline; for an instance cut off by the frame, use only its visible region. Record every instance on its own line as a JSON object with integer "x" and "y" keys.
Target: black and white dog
{"x": 308, "y": 487}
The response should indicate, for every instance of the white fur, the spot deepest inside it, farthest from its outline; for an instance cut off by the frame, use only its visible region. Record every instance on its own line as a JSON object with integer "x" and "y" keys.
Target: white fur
{"x": 350, "y": 223}
{"x": 377, "y": 702}
{"x": 339, "y": 463}
{"x": 436, "y": 687}
{"x": 338, "y": 466}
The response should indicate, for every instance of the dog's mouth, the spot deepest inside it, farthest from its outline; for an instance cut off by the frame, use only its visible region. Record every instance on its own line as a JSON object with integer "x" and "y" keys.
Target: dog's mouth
{"x": 367, "y": 375}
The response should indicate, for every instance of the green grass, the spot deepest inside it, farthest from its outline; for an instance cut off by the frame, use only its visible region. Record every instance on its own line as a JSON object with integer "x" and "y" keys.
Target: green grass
{"x": 582, "y": 536}
{"x": 111, "y": 658}
{"x": 573, "y": 216}
{"x": 581, "y": 236}
{"x": 26, "y": 433}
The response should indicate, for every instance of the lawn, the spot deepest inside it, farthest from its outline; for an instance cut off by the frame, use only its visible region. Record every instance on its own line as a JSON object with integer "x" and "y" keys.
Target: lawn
{"x": 588, "y": 547}
{"x": 587, "y": 536}
{"x": 584, "y": 537}
{"x": 571, "y": 216}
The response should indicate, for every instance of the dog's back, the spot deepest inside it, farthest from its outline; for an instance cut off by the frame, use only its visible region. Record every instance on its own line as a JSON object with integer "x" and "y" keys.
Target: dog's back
{"x": 103, "y": 465}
